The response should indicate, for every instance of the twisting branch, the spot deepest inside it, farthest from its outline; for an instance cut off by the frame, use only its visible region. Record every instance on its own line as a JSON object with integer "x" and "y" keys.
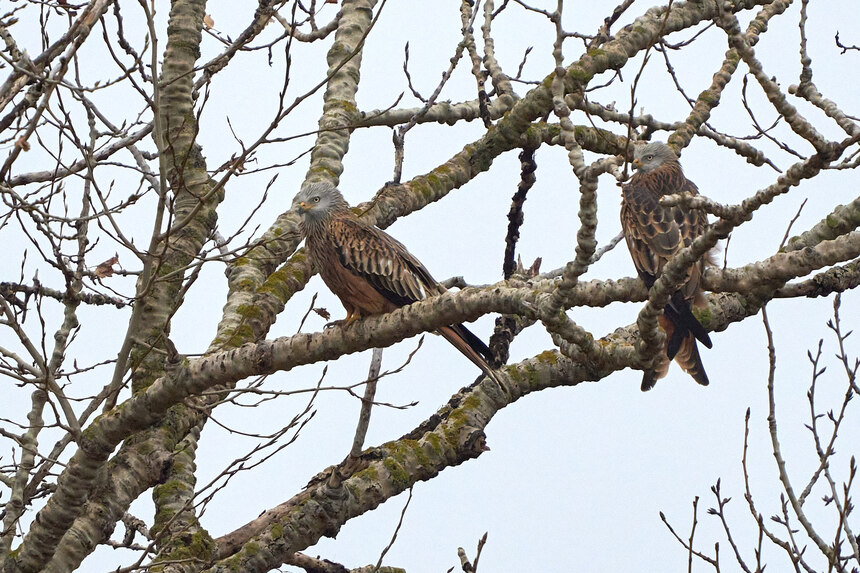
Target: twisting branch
{"x": 844, "y": 47}
{"x": 688, "y": 543}
{"x": 367, "y": 403}
{"x": 506, "y": 326}
{"x": 501, "y": 82}
{"x": 399, "y": 134}
{"x": 468, "y": 14}
{"x": 515, "y": 215}
{"x": 77, "y": 34}
{"x": 780, "y": 460}
{"x": 807, "y": 90}
{"x": 729, "y": 23}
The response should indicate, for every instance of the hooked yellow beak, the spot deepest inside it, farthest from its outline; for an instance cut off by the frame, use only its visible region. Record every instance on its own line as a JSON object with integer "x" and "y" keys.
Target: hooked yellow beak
{"x": 304, "y": 207}
{"x": 637, "y": 164}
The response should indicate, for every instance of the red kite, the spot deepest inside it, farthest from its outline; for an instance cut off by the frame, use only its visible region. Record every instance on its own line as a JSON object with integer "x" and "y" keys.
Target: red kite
{"x": 654, "y": 234}
{"x": 370, "y": 271}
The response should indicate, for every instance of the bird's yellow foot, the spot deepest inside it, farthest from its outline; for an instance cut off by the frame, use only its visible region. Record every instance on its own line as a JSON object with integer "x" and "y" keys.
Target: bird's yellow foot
{"x": 350, "y": 318}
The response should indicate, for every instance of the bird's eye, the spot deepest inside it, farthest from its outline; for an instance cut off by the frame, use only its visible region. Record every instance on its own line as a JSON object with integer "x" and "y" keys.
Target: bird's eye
{"x": 649, "y": 157}
{"x": 317, "y": 199}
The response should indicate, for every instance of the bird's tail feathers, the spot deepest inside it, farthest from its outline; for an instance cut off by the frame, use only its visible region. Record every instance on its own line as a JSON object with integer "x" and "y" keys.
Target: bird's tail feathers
{"x": 682, "y": 329}
{"x": 675, "y": 330}
{"x": 470, "y": 346}
{"x": 650, "y": 377}
{"x": 661, "y": 366}
{"x": 679, "y": 313}
{"x": 473, "y": 341}
{"x": 689, "y": 359}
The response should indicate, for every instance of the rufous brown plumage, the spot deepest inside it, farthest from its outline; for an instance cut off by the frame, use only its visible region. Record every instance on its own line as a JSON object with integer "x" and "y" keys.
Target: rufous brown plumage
{"x": 370, "y": 271}
{"x": 654, "y": 234}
